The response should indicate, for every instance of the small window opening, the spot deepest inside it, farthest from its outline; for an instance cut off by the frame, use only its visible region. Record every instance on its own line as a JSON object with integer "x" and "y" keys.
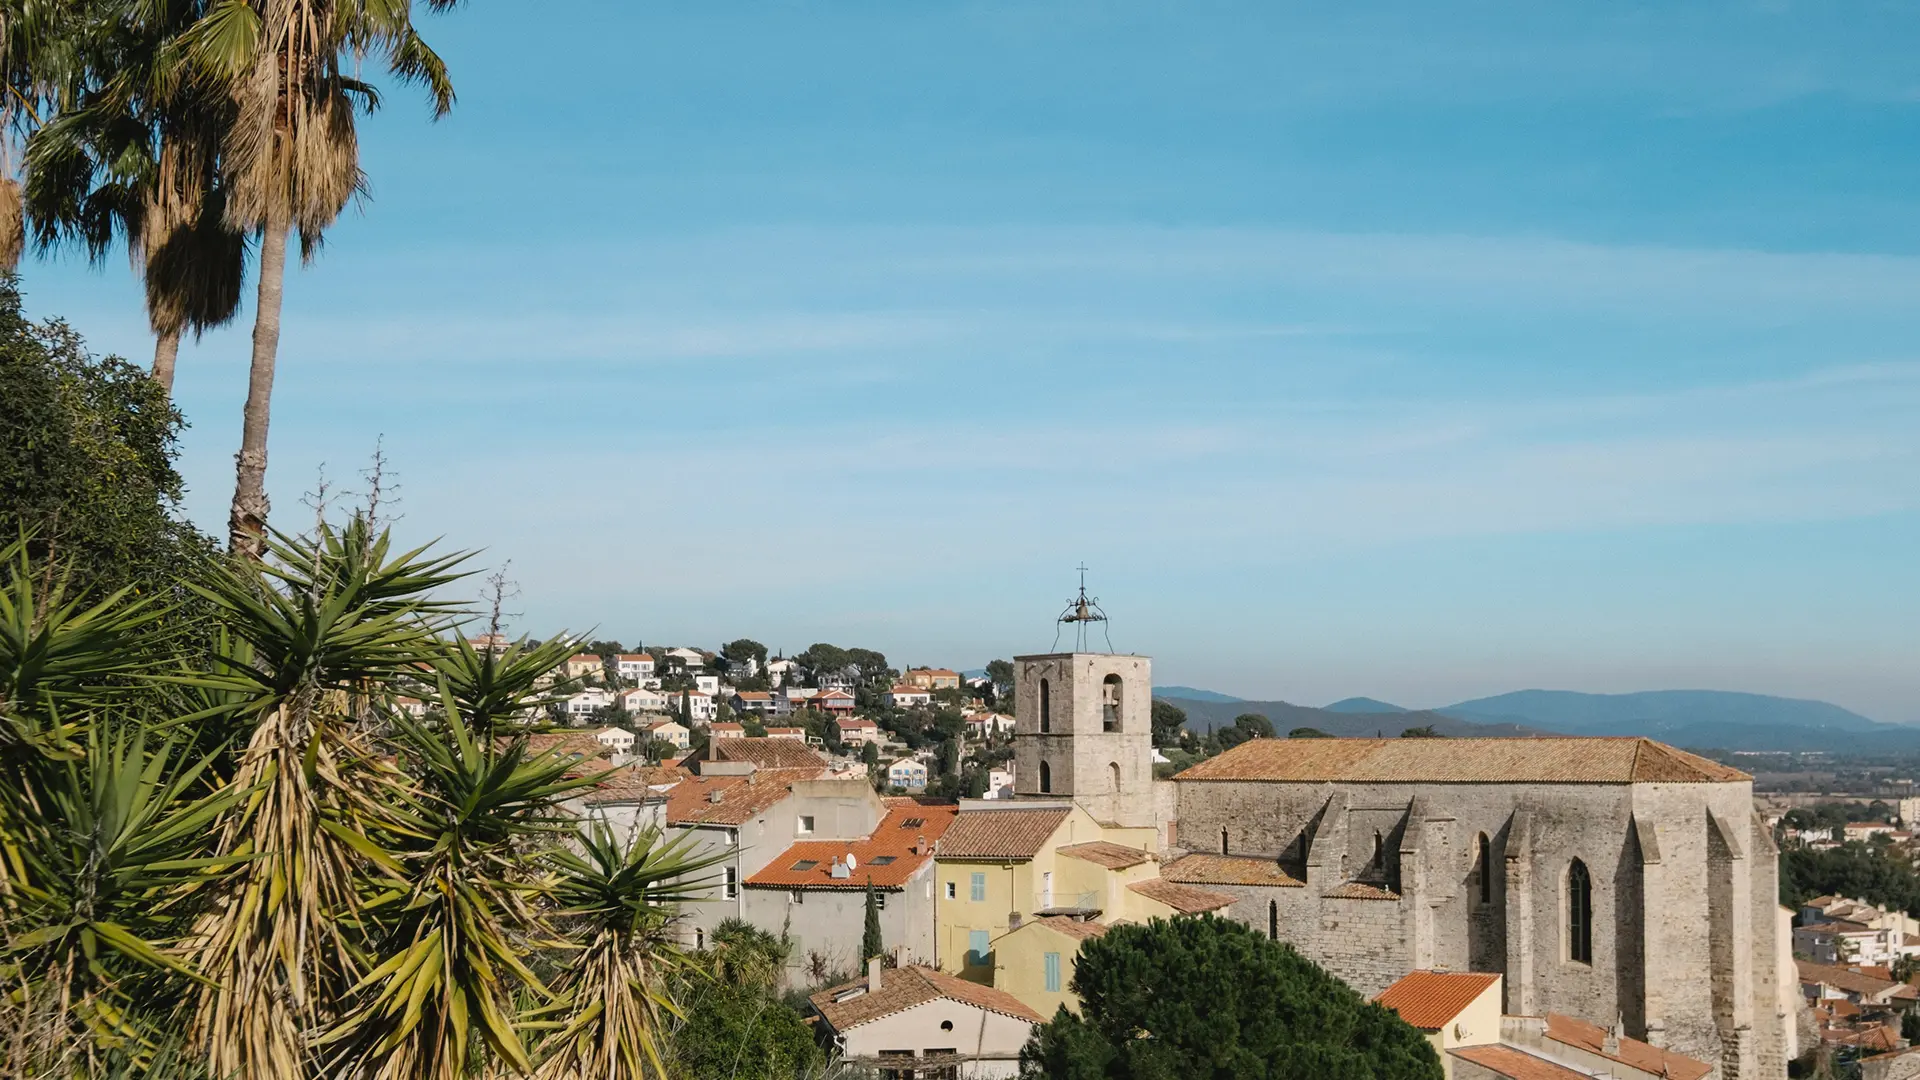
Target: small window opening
{"x": 1579, "y": 913}
{"x": 1046, "y": 778}
{"x": 1486, "y": 869}
{"x": 1110, "y": 703}
{"x": 1046, "y": 710}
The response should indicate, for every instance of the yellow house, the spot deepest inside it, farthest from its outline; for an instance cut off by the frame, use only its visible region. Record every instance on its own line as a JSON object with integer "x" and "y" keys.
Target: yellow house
{"x": 1452, "y": 1008}
{"x": 1035, "y": 962}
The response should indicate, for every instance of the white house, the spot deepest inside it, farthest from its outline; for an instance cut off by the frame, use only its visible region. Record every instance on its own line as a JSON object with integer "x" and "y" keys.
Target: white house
{"x": 908, "y": 773}
{"x": 982, "y": 724}
{"x": 915, "y": 1019}
{"x": 688, "y": 658}
{"x": 700, "y": 707}
{"x": 907, "y": 697}
{"x": 797, "y": 734}
{"x": 780, "y": 671}
{"x": 1000, "y": 782}
{"x": 635, "y": 668}
{"x": 619, "y": 740}
{"x": 641, "y": 700}
{"x": 412, "y": 706}
{"x": 726, "y": 731}
{"x": 707, "y": 684}
{"x": 586, "y": 701}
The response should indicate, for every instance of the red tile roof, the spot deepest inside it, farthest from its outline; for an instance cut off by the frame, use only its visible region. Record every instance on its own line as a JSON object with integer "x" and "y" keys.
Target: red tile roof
{"x": 585, "y": 657}
{"x": 634, "y": 783}
{"x": 1429, "y": 1000}
{"x": 1102, "y": 853}
{"x": 903, "y": 988}
{"x": 575, "y": 743}
{"x": 1200, "y": 868}
{"x": 648, "y": 657}
{"x": 1841, "y": 978}
{"x": 997, "y": 835}
{"x": 1185, "y": 899}
{"x": 892, "y": 840}
{"x": 1462, "y": 761}
{"x": 1079, "y": 929}
{"x": 692, "y": 801}
{"x": 767, "y": 753}
{"x": 900, "y": 691}
{"x": 1643, "y": 1056}
{"x": 1505, "y": 1061}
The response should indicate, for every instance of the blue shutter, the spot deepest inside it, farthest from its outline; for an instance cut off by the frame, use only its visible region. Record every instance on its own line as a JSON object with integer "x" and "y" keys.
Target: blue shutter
{"x": 979, "y": 885}
{"x": 976, "y": 948}
{"x": 1053, "y": 973}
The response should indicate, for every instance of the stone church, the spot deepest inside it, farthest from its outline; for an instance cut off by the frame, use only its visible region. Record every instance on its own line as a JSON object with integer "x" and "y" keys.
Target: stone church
{"x": 1617, "y": 880}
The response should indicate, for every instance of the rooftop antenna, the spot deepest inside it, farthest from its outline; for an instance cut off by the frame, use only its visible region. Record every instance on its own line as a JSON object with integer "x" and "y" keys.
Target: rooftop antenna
{"x": 1082, "y": 611}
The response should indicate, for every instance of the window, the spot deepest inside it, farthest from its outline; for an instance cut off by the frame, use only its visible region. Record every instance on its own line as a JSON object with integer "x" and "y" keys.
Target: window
{"x": 730, "y": 887}
{"x": 806, "y": 864}
{"x": 914, "y": 823}
{"x": 882, "y": 860}
{"x": 976, "y": 948}
{"x": 1110, "y": 703}
{"x": 699, "y": 938}
{"x": 806, "y": 824}
{"x": 1223, "y": 839}
{"x": 1113, "y": 776}
{"x": 1046, "y": 778}
{"x": 1486, "y": 869}
{"x": 977, "y": 887}
{"x": 1379, "y": 862}
{"x": 953, "y": 889}
{"x": 1046, "y": 711}
{"x": 1579, "y": 914}
{"x": 879, "y": 900}
{"x": 1052, "y": 960}
{"x": 798, "y": 896}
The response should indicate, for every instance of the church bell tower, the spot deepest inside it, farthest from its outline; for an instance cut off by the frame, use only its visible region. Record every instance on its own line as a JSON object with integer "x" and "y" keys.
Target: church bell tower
{"x": 1083, "y": 726}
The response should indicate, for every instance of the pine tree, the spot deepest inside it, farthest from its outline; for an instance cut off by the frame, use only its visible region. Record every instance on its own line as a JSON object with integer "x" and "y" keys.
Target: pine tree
{"x": 870, "y": 943}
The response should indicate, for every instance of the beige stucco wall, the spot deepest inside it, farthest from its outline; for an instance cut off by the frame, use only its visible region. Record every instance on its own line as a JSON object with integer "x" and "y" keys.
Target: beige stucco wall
{"x": 1020, "y": 967}
{"x": 992, "y": 1039}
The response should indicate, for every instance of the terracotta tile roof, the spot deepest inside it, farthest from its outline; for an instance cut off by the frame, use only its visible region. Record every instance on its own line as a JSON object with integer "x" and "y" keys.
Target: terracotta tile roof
{"x": 753, "y": 695}
{"x": 634, "y": 783}
{"x": 768, "y": 753}
{"x": 996, "y": 834}
{"x": 576, "y": 743}
{"x": 692, "y": 801}
{"x": 584, "y": 658}
{"x": 1505, "y": 1061}
{"x": 856, "y": 722}
{"x": 1462, "y": 761}
{"x": 1102, "y": 853}
{"x": 1842, "y": 979}
{"x": 647, "y": 657}
{"x": 773, "y": 731}
{"x": 1632, "y": 1052}
{"x": 1185, "y": 899}
{"x": 893, "y": 840}
{"x": 1200, "y": 868}
{"x": 901, "y": 691}
{"x": 903, "y": 988}
{"x": 1078, "y": 929}
{"x": 726, "y": 725}
{"x": 1358, "y": 890}
{"x": 1429, "y": 1000}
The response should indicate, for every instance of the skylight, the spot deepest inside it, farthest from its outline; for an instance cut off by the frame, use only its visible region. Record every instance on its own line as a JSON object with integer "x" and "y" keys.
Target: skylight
{"x": 806, "y": 864}
{"x": 881, "y": 860}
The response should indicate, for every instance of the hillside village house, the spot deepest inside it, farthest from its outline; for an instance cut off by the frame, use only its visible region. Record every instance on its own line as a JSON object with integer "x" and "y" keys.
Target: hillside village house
{"x": 689, "y": 659}
{"x": 635, "y": 668}
{"x": 700, "y": 707}
{"x": 907, "y": 697}
{"x": 780, "y": 672}
{"x": 1458, "y": 1008}
{"x": 752, "y": 701}
{"x": 708, "y": 685}
{"x": 726, "y": 729}
{"x": 908, "y": 773}
{"x": 1900, "y": 937}
{"x": 619, "y": 740}
{"x": 585, "y": 665}
{"x": 858, "y": 731}
{"x": 834, "y": 702}
{"x": 982, "y": 724}
{"x": 817, "y": 888}
{"x": 797, "y": 734}
{"x": 645, "y": 700}
{"x": 933, "y": 679}
{"x": 914, "y": 1021}
{"x": 670, "y": 732}
{"x": 1000, "y": 782}
{"x": 584, "y": 703}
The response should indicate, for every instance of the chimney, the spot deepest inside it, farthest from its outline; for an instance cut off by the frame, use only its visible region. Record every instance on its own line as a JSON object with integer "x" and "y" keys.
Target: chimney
{"x": 714, "y": 795}
{"x": 873, "y": 974}
{"x": 1611, "y": 1044}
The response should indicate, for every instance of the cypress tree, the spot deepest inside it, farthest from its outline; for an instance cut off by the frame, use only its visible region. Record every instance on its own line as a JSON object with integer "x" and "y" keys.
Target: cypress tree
{"x": 870, "y": 944}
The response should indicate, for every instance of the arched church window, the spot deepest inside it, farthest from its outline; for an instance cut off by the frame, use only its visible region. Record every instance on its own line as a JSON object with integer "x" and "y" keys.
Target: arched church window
{"x": 1579, "y": 914}
{"x": 1485, "y": 858}
{"x": 1046, "y": 778}
{"x": 1379, "y": 852}
{"x": 1110, "y": 703}
{"x": 1273, "y": 920}
{"x": 1113, "y": 776}
{"x": 1223, "y": 839}
{"x": 1046, "y": 709}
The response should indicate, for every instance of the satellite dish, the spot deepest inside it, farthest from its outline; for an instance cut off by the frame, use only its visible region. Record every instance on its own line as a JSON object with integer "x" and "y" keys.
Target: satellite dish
{"x": 850, "y": 863}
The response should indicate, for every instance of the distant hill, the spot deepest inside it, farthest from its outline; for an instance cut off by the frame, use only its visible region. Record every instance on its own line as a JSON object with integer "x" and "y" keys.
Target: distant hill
{"x": 1719, "y": 719}
{"x": 1190, "y": 694}
{"x": 1363, "y": 705}
{"x": 1204, "y": 716}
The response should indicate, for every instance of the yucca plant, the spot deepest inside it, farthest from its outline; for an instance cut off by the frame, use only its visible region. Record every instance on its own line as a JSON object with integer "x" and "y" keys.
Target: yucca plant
{"x": 326, "y": 620}
{"x": 99, "y": 869}
{"x": 617, "y": 898}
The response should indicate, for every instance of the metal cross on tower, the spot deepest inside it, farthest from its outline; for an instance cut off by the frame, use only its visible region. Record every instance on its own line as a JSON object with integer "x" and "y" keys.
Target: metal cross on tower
{"x": 1081, "y": 611}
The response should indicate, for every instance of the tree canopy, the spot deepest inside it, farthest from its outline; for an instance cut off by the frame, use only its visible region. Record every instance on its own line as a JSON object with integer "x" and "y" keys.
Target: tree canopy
{"x": 1168, "y": 721}
{"x": 1308, "y": 733}
{"x": 1210, "y": 999}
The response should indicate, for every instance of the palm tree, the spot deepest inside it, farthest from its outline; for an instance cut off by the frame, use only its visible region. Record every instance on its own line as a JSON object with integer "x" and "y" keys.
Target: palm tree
{"x": 291, "y": 160}
{"x": 134, "y": 155}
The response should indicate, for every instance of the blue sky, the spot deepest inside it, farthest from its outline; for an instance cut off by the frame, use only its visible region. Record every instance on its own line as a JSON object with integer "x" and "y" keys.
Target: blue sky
{"x": 1412, "y": 350}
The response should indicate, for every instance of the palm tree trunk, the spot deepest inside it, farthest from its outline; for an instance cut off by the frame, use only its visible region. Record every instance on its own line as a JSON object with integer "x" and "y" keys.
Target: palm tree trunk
{"x": 247, "y": 525}
{"x": 166, "y": 349}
